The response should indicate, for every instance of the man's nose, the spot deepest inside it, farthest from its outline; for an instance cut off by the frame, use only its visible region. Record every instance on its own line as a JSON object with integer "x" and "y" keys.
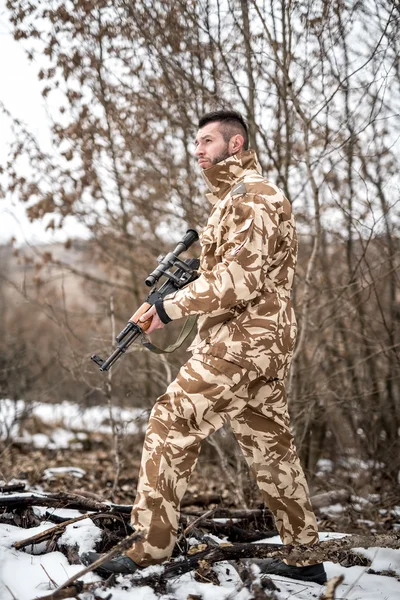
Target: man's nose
{"x": 199, "y": 151}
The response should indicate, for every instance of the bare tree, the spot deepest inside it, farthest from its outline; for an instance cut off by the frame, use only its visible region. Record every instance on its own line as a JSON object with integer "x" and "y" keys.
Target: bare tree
{"x": 318, "y": 83}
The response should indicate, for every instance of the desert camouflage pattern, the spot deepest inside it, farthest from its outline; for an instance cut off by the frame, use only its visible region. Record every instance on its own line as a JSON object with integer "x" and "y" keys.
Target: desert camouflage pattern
{"x": 247, "y": 265}
{"x": 241, "y": 355}
{"x": 207, "y": 393}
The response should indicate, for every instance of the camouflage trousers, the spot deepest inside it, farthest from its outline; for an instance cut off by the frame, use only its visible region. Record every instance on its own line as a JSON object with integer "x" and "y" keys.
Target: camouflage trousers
{"x": 207, "y": 393}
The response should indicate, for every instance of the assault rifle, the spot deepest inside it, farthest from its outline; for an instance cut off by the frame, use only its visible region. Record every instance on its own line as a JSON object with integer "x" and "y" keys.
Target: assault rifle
{"x": 184, "y": 273}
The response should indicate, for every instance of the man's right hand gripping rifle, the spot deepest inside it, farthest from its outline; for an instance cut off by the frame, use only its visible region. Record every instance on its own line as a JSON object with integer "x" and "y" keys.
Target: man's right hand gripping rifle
{"x": 146, "y": 319}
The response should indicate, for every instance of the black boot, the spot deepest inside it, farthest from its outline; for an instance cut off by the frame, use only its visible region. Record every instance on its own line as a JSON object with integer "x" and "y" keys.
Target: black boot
{"x": 119, "y": 565}
{"x": 273, "y": 566}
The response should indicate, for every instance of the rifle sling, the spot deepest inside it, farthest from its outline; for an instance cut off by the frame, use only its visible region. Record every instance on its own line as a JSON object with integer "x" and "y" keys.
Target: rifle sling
{"x": 185, "y": 332}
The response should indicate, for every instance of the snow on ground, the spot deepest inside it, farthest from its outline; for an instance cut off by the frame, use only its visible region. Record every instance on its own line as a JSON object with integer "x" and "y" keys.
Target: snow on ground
{"x": 52, "y": 472}
{"x": 67, "y": 423}
{"x": 26, "y": 574}
{"x": 30, "y": 573}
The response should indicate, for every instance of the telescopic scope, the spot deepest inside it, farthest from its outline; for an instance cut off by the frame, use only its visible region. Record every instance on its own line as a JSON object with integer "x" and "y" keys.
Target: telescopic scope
{"x": 169, "y": 259}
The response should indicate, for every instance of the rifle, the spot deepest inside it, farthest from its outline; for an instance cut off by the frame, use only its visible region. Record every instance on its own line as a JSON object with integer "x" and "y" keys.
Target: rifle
{"x": 184, "y": 273}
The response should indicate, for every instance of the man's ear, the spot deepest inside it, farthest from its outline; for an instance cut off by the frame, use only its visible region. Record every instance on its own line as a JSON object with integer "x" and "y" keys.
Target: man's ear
{"x": 236, "y": 142}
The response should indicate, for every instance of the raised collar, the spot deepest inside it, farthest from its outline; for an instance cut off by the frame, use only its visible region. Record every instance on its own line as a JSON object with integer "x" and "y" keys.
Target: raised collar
{"x": 221, "y": 177}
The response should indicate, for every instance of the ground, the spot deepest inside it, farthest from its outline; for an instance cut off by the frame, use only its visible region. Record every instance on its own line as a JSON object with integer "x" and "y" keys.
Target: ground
{"x": 61, "y": 447}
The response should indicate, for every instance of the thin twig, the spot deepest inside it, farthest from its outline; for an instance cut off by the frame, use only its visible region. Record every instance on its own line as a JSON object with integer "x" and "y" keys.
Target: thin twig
{"x": 45, "y": 535}
{"x": 197, "y": 521}
{"x": 50, "y": 578}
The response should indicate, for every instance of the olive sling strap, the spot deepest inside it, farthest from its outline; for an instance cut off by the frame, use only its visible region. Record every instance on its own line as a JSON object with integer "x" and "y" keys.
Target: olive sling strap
{"x": 185, "y": 332}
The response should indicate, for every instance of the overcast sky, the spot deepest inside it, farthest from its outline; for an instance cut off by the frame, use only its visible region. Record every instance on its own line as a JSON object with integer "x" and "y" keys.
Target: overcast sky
{"x": 20, "y": 93}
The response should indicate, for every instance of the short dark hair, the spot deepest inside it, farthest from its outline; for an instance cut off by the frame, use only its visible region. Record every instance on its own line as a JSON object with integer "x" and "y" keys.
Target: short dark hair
{"x": 232, "y": 124}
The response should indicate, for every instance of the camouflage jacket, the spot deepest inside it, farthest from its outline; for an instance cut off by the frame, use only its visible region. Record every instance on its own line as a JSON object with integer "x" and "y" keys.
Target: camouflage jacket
{"x": 247, "y": 266}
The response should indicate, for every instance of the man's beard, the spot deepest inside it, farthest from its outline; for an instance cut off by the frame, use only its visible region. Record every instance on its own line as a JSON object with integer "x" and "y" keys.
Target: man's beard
{"x": 222, "y": 156}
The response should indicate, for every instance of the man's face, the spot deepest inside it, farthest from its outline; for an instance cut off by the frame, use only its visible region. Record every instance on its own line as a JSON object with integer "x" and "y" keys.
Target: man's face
{"x": 211, "y": 147}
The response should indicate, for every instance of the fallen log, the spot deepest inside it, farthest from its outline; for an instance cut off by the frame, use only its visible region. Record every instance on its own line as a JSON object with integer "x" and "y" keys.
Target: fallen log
{"x": 232, "y": 513}
{"x": 201, "y": 500}
{"x": 61, "y": 500}
{"x": 12, "y": 487}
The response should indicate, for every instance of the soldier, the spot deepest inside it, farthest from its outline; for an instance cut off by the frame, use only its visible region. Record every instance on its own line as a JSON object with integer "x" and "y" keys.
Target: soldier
{"x": 240, "y": 357}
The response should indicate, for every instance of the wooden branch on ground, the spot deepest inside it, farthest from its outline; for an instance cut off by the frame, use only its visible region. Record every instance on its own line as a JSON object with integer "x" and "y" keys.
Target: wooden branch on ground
{"x": 201, "y": 500}
{"x": 191, "y": 525}
{"x": 59, "y": 529}
{"x": 232, "y": 513}
{"x": 14, "y": 487}
{"x": 61, "y": 500}
{"x": 48, "y": 533}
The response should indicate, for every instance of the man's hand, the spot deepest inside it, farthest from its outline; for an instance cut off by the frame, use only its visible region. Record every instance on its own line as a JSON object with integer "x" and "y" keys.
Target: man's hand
{"x": 156, "y": 322}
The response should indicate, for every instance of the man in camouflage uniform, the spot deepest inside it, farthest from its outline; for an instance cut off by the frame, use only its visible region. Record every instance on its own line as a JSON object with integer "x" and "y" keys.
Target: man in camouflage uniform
{"x": 241, "y": 355}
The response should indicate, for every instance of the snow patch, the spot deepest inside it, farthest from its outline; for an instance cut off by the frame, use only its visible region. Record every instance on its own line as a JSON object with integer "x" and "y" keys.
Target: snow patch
{"x": 83, "y": 535}
{"x": 71, "y": 422}
{"x": 52, "y": 472}
{"x": 382, "y": 559}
